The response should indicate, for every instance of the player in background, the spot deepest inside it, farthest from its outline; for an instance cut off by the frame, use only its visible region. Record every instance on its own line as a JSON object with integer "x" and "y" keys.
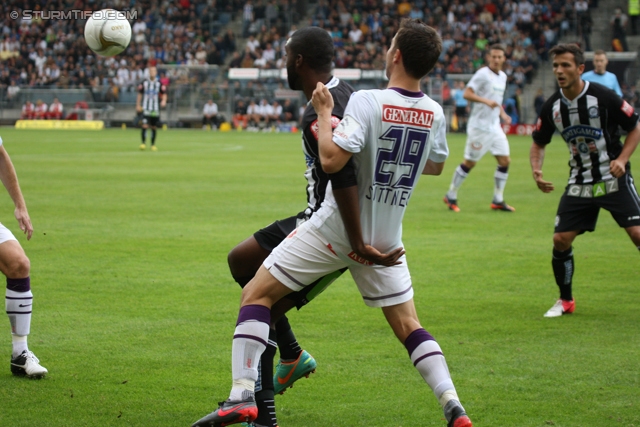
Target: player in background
{"x": 55, "y": 110}
{"x": 485, "y": 91}
{"x": 15, "y": 265}
{"x": 599, "y": 74}
{"x": 310, "y": 54}
{"x": 391, "y": 136}
{"x": 587, "y": 116}
{"x": 152, "y": 96}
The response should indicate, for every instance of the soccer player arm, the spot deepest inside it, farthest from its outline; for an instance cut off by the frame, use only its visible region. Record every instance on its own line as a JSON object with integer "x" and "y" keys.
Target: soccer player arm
{"x": 627, "y": 118}
{"x": 332, "y": 157}
{"x": 139, "y": 99}
{"x": 541, "y": 137}
{"x": 9, "y": 179}
{"x": 163, "y": 96}
{"x": 471, "y": 95}
{"x": 439, "y": 150}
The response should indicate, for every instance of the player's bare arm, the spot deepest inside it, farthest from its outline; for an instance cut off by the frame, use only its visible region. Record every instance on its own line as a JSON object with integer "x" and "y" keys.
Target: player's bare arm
{"x": 618, "y": 166}
{"x": 332, "y": 157}
{"x": 536, "y": 158}
{"x": 432, "y": 168}
{"x": 9, "y": 179}
{"x": 504, "y": 116}
{"x": 139, "y": 103}
{"x": 470, "y": 95}
{"x": 163, "y": 100}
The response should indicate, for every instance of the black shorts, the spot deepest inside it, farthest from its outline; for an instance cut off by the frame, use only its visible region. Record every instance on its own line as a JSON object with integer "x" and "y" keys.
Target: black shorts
{"x": 578, "y": 209}
{"x": 151, "y": 120}
{"x": 271, "y": 236}
{"x": 461, "y": 111}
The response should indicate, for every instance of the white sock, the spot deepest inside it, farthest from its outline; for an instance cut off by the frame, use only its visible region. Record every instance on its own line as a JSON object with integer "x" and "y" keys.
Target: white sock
{"x": 500, "y": 179}
{"x": 429, "y": 361}
{"x": 458, "y": 178}
{"x": 18, "y": 306}
{"x": 19, "y": 343}
{"x": 249, "y": 342}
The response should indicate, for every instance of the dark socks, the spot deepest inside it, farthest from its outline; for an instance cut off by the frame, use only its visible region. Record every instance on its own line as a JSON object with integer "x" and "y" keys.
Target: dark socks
{"x": 153, "y": 136}
{"x": 144, "y": 135}
{"x": 287, "y": 343}
{"x": 265, "y": 397}
{"x": 563, "y": 268}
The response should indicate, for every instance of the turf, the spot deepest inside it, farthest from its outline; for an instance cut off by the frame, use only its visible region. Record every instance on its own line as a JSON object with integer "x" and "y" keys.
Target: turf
{"x": 135, "y": 309}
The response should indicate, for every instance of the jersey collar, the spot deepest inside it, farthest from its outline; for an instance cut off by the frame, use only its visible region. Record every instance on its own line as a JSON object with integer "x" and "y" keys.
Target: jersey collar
{"x": 584, "y": 90}
{"x": 408, "y": 93}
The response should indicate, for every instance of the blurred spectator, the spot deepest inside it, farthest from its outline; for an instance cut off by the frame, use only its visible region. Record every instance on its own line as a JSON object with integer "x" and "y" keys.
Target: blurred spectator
{"x": 55, "y": 110}
{"x": 461, "y": 104}
{"x": 240, "y": 119}
{"x": 288, "y": 111}
{"x": 618, "y": 25}
{"x": 12, "y": 91}
{"x": 274, "y": 113}
{"x": 210, "y": 117}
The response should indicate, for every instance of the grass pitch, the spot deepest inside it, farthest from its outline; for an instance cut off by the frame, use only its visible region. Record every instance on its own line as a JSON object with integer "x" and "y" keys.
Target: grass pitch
{"x": 135, "y": 308}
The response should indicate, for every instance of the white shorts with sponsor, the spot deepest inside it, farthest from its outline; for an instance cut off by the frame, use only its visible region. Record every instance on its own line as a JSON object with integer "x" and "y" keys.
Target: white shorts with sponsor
{"x": 6, "y": 234}
{"x": 305, "y": 256}
{"x": 479, "y": 141}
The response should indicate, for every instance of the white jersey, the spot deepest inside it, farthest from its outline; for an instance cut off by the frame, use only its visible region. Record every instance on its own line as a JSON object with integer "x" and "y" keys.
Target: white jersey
{"x": 391, "y": 134}
{"x": 487, "y": 84}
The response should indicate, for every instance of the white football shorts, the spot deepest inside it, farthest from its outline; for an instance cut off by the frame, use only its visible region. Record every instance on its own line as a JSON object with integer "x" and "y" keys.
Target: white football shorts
{"x": 6, "y": 234}
{"x": 305, "y": 256}
{"x": 479, "y": 141}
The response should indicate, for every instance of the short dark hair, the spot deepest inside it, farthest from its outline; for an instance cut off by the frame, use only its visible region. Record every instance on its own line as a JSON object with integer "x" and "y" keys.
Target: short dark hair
{"x": 574, "y": 49}
{"x": 420, "y": 46}
{"x": 498, "y": 46}
{"x": 600, "y": 52}
{"x": 316, "y": 47}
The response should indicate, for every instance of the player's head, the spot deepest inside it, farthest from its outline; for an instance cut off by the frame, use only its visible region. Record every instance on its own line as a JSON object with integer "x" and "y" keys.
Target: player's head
{"x": 309, "y": 48}
{"x": 496, "y": 57}
{"x": 417, "y": 45}
{"x": 568, "y": 64}
{"x": 153, "y": 72}
{"x": 600, "y": 61}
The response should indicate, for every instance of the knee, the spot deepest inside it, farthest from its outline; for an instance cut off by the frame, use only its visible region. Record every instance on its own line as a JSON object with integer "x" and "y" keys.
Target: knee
{"x": 469, "y": 164}
{"x": 561, "y": 243}
{"x": 18, "y": 268}
{"x": 235, "y": 263}
{"x": 504, "y": 161}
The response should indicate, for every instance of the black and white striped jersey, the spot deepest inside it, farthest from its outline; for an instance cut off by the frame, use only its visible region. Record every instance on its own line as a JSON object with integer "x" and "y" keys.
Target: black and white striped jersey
{"x": 151, "y": 91}
{"x": 589, "y": 125}
{"x": 317, "y": 179}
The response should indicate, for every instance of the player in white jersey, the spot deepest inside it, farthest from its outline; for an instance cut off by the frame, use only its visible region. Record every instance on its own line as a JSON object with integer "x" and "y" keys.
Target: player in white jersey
{"x": 485, "y": 90}
{"x": 392, "y": 136}
{"x": 15, "y": 265}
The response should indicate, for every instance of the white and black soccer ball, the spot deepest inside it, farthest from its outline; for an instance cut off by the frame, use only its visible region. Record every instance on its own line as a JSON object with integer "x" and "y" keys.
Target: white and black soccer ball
{"x": 107, "y": 32}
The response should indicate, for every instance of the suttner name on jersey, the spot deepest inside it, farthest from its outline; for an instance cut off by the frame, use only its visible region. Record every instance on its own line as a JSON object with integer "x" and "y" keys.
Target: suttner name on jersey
{"x": 151, "y": 91}
{"x": 391, "y": 134}
{"x": 317, "y": 179}
{"x": 589, "y": 126}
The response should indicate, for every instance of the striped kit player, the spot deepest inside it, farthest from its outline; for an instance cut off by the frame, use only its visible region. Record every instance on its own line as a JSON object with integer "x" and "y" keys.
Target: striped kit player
{"x": 587, "y": 115}
{"x": 152, "y": 96}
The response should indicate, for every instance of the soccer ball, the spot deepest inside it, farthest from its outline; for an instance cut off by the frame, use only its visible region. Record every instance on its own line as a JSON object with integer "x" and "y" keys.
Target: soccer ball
{"x": 107, "y": 32}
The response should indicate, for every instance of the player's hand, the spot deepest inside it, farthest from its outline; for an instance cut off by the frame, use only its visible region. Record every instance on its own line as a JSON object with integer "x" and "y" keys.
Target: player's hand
{"x": 544, "y": 186}
{"x": 321, "y": 99}
{"x": 493, "y": 104}
{"x": 24, "y": 221}
{"x": 138, "y": 108}
{"x": 163, "y": 104}
{"x": 618, "y": 167}
{"x": 373, "y": 255}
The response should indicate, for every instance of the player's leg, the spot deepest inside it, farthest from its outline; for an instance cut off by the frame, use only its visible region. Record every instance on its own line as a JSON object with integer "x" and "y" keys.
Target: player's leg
{"x": 500, "y": 149}
{"x": 428, "y": 358}
{"x": 154, "y": 126}
{"x": 475, "y": 148}
{"x": 15, "y": 265}
{"x": 145, "y": 126}
{"x": 624, "y": 206}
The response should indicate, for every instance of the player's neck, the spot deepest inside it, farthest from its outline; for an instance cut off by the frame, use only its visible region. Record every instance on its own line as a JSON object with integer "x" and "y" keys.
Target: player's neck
{"x": 574, "y": 91}
{"x": 404, "y": 82}
{"x": 310, "y": 84}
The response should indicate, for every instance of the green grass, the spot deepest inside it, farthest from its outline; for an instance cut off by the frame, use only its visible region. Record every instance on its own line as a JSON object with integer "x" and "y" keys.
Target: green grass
{"x": 135, "y": 308}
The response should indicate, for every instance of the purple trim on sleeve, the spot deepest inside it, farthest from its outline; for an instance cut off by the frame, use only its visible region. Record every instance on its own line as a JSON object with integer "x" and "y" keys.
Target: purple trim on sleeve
{"x": 254, "y": 312}
{"x": 416, "y": 338}
{"x": 19, "y": 285}
{"x": 408, "y": 93}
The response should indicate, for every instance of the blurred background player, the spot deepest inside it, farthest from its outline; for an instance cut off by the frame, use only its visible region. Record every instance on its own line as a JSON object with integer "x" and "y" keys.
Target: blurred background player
{"x": 309, "y": 58}
{"x": 56, "y": 109}
{"x": 485, "y": 90}
{"x": 587, "y": 116}
{"x": 40, "y": 110}
{"x": 600, "y": 75}
{"x": 28, "y": 111}
{"x": 15, "y": 265}
{"x": 152, "y": 96}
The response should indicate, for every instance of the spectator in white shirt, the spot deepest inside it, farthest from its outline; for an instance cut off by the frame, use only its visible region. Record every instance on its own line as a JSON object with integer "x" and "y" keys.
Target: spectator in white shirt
{"x": 210, "y": 115}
